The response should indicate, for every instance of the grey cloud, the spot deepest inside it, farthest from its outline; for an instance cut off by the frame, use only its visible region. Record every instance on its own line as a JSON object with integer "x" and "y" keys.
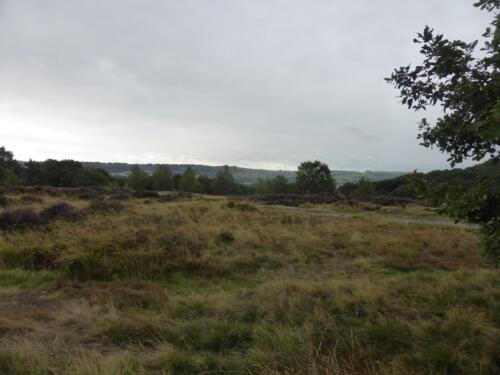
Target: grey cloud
{"x": 255, "y": 83}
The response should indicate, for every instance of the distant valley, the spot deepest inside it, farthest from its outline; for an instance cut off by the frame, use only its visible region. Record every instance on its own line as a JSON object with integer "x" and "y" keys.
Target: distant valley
{"x": 242, "y": 175}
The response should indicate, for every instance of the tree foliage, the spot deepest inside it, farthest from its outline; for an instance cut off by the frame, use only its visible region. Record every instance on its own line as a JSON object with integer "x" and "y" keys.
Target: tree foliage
{"x": 63, "y": 173}
{"x": 138, "y": 179}
{"x": 364, "y": 189}
{"x": 7, "y": 165}
{"x": 466, "y": 85}
{"x": 314, "y": 177}
{"x": 224, "y": 182}
{"x": 188, "y": 180}
{"x": 162, "y": 178}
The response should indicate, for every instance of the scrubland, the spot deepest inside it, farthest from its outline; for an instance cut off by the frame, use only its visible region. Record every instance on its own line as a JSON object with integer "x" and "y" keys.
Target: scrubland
{"x": 92, "y": 284}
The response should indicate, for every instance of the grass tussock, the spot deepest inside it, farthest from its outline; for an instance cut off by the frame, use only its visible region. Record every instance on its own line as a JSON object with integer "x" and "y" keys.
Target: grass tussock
{"x": 209, "y": 286}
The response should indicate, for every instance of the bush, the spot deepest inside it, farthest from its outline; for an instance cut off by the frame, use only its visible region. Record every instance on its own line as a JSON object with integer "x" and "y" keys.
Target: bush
{"x": 213, "y": 336}
{"x": 490, "y": 238}
{"x": 172, "y": 197}
{"x": 31, "y": 259}
{"x": 88, "y": 196}
{"x": 225, "y": 237}
{"x": 179, "y": 246}
{"x": 120, "y": 196}
{"x": 145, "y": 194}
{"x": 100, "y": 206}
{"x": 52, "y": 191}
{"x": 31, "y": 199}
{"x": 391, "y": 201}
{"x": 97, "y": 265}
{"x": 19, "y": 219}
{"x": 3, "y": 201}
{"x": 241, "y": 206}
{"x": 11, "y": 363}
{"x": 60, "y": 210}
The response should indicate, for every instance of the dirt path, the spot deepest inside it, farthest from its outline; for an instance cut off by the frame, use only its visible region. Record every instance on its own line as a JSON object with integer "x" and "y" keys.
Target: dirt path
{"x": 396, "y": 218}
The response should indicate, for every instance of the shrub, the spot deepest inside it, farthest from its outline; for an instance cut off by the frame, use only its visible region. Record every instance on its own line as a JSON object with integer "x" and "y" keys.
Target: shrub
{"x": 94, "y": 267}
{"x": 101, "y": 206}
{"x": 172, "y": 197}
{"x": 31, "y": 199}
{"x": 30, "y": 259}
{"x": 19, "y": 219}
{"x": 88, "y": 196}
{"x": 11, "y": 363}
{"x": 389, "y": 335}
{"x": 490, "y": 237}
{"x": 52, "y": 191}
{"x": 241, "y": 206}
{"x": 178, "y": 245}
{"x": 129, "y": 331}
{"x": 225, "y": 237}
{"x": 145, "y": 194}
{"x": 3, "y": 201}
{"x": 391, "y": 201}
{"x": 60, "y": 210}
{"x": 214, "y": 336}
{"x": 181, "y": 362}
{"x": 120, "y": 196}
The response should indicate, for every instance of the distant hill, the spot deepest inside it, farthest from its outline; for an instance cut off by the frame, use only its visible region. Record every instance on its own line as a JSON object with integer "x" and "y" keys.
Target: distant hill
{"x": 242, "y": 175}
{"x": 488, "y": 172}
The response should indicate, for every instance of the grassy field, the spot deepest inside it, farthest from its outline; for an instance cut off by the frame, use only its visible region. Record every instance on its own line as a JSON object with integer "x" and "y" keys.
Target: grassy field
{"x": 208, "y": 286}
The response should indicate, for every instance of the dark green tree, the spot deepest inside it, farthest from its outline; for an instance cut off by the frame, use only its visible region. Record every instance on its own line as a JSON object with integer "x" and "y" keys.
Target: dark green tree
{"x": 188, "y": 180}
{"x": 8, "y": 170}
{"x": 224, "y": 182}
{"x": 314, "y": 177}
{"x": 176, "y": 181}
{"x": 466, "y": 85}
{"x": 347, "y": 188}
{"x": 280, "y": 185}
{"x": 60, "y": 173}
{"x": 203, "y": 185}
{"x": 162, "y": 178}
{"x": 364, "y": 189}
{"x": 138, "y": 179}
{"x": 91, "y": 177}
{"x": 34, "y": 173}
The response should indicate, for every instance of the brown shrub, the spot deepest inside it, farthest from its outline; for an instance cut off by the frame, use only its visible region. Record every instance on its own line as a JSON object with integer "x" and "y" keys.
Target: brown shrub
{"x": 105, "y": 207}
{"x": 19, "y": 219}
{"x": 61, "y": 210}
{"x": 295, "y": 200}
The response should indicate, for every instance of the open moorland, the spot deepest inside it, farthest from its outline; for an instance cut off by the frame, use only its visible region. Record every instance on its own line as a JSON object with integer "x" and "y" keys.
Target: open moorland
{"x": 97, "y": 282}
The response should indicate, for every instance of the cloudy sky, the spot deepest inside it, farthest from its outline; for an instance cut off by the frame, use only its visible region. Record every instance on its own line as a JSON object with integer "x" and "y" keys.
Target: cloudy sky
{"x": 257, "y": 83}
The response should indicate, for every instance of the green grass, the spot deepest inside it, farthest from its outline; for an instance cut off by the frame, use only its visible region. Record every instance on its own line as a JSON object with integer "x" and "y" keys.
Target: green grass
{"x": 206, "y": 287}
{"x": 26, "y": 279}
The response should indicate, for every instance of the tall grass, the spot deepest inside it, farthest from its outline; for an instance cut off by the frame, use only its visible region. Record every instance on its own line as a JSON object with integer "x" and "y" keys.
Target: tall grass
{"x": 206, "y": 286}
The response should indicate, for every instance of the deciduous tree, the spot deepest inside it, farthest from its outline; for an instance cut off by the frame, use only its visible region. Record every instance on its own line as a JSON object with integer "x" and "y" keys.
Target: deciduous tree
{"x": 314, "y": 177}
{"x": 466, "y": 85}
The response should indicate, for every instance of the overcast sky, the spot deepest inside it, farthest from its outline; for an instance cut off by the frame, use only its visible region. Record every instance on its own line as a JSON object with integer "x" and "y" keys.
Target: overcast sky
{"x": 256, "y": 83}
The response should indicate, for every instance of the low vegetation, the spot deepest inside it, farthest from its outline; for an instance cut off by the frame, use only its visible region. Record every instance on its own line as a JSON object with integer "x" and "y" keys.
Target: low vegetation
{"x": 195, "y": 285}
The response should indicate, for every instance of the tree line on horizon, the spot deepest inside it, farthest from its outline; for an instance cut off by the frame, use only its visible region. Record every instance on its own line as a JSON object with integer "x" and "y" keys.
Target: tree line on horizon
{"x": 312, "y": 177}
